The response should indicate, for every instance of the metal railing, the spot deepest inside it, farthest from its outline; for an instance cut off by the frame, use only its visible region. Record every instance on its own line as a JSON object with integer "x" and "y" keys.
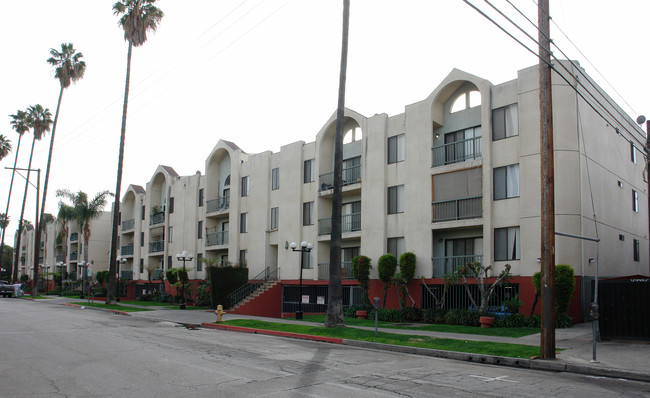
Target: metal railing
{"x": 216, "y": 238}
{"x": 458, "y": 209}
{"x": 456, "y": 152}
{"x": 74, "y": 237}
{"x": 157, "y": 218}
{"x": 128, "y": 224}
{"x": 349, "y": 223}
{"x": 350, "y": 175}
{"x": 73, "y": 256}
{"x": 156, "y": 246}
{"x": 456, "y": 296}
{"x": 253, "y": 284}
{"x": 324, "y": 270}
{"x": 220, "y": 203}
{"x": 447, "y": 265}
{"x": 157, "y": 274}
{"x": 126, "y": 275}
{"x": 127, "y": 250}
{"x": 59, "y": 258}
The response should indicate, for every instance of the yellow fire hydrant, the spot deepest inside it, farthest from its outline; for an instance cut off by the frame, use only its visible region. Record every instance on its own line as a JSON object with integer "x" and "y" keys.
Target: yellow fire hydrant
{"x": 219, "y": 312}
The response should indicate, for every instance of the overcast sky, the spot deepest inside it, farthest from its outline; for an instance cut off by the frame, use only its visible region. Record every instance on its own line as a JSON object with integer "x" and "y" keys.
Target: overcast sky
{"x": 264, "y": 73}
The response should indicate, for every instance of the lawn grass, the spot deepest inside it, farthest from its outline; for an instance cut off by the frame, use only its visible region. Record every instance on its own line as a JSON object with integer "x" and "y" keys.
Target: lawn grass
{"x": 111, "y": 306}
{"x": 39, "y": 297}
{"x": 476, "y": 347}
{"x": 494, "y": 331}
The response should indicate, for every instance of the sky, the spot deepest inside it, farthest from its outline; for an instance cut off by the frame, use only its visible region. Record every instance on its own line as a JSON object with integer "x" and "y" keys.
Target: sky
{"x": 264, "y": 73}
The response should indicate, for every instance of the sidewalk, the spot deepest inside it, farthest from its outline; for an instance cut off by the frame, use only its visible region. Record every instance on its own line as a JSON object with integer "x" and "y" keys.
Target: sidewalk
{"x": 621, "y": 359}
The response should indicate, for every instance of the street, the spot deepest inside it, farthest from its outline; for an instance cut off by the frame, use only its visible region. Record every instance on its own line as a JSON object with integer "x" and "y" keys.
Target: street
{"x": 56, "y": 351}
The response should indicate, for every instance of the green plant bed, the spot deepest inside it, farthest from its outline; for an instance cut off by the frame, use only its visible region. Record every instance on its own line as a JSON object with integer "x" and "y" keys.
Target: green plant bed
{"x": 476, "y": 347}
{"x": 110, "y": 306}
{"x": 501, "y": 332}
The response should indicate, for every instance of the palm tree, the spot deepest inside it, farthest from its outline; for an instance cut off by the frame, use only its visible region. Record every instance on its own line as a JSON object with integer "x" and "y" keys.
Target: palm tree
{"x": 68, "y": 69}
{"x": 137, "y": 17}
{"x": 39, "y": 119}
{"x": 334, "y": 314}
{"x": 19, "y": 123}
{"x": 66, "y": 214}
{"x": 5, "y": 146}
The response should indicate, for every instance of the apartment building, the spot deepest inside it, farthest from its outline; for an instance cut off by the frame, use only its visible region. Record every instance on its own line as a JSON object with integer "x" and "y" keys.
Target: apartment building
{"x": 454, "y": 178}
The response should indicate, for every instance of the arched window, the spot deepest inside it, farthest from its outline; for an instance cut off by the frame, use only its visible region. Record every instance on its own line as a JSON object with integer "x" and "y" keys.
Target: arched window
{"x": 353, "y": 135}
{"x": 466, "y": 100}
{"x": 227, "y": 183}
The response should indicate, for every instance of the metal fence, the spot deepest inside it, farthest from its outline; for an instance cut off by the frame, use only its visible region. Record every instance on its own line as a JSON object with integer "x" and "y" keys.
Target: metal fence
{"x": 220, "y": 203}
{"x": 291, "y": 295}
{"x": 455, "y": 152}
{"x": 128, "y": 224}
{"x": 349, "y": 223}
{"x": 457, "y": 297}
{"x": 350, "y": 175}
{"x": 624, "y": 309}
{"x": 458, "y": 209}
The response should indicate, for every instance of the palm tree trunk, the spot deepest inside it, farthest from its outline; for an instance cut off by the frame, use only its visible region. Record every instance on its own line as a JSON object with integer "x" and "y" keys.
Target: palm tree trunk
{"x": 11, "y": 185}
{"x": 111, "y": 291}
{"x": 20, "y": 221}
{"x": 334, "y": 316}
{"x": 41, "y": 221}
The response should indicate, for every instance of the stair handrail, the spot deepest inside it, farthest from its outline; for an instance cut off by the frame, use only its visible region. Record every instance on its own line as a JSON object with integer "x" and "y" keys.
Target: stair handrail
{"x": 252, "y": 285}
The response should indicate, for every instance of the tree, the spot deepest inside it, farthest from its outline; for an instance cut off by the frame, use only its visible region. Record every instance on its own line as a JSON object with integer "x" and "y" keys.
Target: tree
{"x": 19, "y": 123}
{"x": 137, "y": 17}
{"x": 65, "y": 215}
{"x": 361, "y": 272}
{"x": 68, "y": 68}
{"x": 386, "y": 267}
{"x": 5, "y": 146}
{"x": 479, "y": 272}
{"x": 407, "y": 264}
{"x": 39, "y": 119}
{"x": 5, "y": 262}
{"x": 334, "y": 315}
{"x": 151, "y": 268}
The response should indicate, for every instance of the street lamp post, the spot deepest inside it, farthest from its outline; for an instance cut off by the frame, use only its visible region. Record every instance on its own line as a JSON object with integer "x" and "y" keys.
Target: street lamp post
{"x": 304, "y": 248}
{"x": 119, "y": 260}
{"x": 83, "y": 266}
{"x": 61, "y": 265}
{"x": 183, "y": 256}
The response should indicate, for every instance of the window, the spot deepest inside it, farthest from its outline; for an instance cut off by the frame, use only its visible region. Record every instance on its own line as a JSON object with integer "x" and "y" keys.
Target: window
{"x": 141, "y": 265}
{"x": 201, "y": 196}
{"x": 507, "y": 244}
{"x": 199, "y": 263}
{"x": 170, "y": 234}
{"x": 637, "y": 250}
{"x": 141, "y": 239}
{"x": 242, "y": 257}
{"x": 275, "y": 178}
{"x": 396, "y": 199}
{"x": 635, "y": 201}
{"x": 506, "y": 182}
{"x": 306, "y": 260}
{"x": 143, "y": 208}
{"x": 171, "y": 205}
{"x": 351, "y": 170}
{"x": 462, "y": 145}
{"x": 505, "y": 122}
{"x": 353, "y": 135}
{"x": 243, "y": 223}
{"x": 395, "y": 246}
{"x": 199, "y": 230}
{"x": 466, "y": 100}
{"x": 308, "y": 173}
{"x": 632, "y": 152}
{"x": 396, "y": 148}
{"x": 275, "y": 212}
{"x": 307, "y": 213}
{"x": 169, "y": 262}
{"x": 244, "y": 186}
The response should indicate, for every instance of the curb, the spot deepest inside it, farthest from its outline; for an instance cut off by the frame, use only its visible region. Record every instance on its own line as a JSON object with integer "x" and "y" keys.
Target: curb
{"x": 98, "y": 309}
{"x": 532, "y": 364}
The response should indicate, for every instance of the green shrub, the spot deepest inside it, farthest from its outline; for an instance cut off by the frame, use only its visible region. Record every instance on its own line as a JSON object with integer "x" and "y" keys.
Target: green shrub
{"x": 361, "y": 272}
{"x": 461, "y": 316}
{"x": 101, "y": 276}
{"x": 434, "y": 315}
{"x": 533, "y": 321}
{"x": 225, "y": 280}
{"x": 172, "y": 276}
{"x": 407, "y": 264}
{"x": 513, "y": 305}
{"x": 350, "y": 311}
{"x": 411, "y": 314}
{"x": 563, "y": 321}
{"x": 387, "y": 315}
{"x": 511, "y": 321}
{"x": 386, "y": 267}
{"x": 564, "y": 285}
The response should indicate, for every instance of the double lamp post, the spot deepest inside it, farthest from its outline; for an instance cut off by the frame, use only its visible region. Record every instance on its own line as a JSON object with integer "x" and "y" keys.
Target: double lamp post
{"x": 304, "y": 248}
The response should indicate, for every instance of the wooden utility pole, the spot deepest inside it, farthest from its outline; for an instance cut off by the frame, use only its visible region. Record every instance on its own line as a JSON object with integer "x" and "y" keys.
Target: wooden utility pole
{"x": 547, "y": 339}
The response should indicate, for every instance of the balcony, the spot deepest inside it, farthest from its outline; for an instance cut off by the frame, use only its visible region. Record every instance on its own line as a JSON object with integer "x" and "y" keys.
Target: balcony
{"x": 455, "y": 152}
{"x": 447, "y": 265}
{"x": 351, "y": 175}
{"x": 126, "y": 275}
{"x": 74, "y": 237}
{"x": 127, "y": 250}
{"x": 458, "y": 209}
{"x": 157, "y": 246}
{"x": 157, "y": 218}
{"x": 349, "y": 223}
{"x": 128, "y": 225}
{"x": 216, "y": 238}
{"x": 324, "y": 270}
{"x": 73, "y": 256}
{"x": 218, "y": 204}
{"x": 59, "y": 258}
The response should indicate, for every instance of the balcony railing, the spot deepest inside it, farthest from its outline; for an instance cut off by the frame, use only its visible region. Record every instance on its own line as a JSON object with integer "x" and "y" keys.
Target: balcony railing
{"x": 447, "y": 265}
{"x": 157, "y": 274}
{"x": 156, "y": 246}
{"x": 349, "y": 223}
{"x": 59, "y": 258}
{"x": 74, "y": 237}
{"x": 128, "y": 225}
{"x": 126, "y": 275}
{"x": 127, "y": 250}
{"x": 458, "y": 209}
{"x": 455, "y": 152}
{"x": 350, "y": 175}
{"x": 216, "y": 238}
{"x": 218, "y": 204}
{"x": 73, "y": 256}
{"x": 157, "y": 218}
{"x": 324, "y": 270}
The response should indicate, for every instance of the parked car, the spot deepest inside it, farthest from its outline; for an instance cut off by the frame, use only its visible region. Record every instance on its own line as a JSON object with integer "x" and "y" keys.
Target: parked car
{"x": 6, "y": 289}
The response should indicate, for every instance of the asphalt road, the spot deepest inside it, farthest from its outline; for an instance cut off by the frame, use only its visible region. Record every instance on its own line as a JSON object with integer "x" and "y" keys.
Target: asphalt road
{"x": 55, "y": 351}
